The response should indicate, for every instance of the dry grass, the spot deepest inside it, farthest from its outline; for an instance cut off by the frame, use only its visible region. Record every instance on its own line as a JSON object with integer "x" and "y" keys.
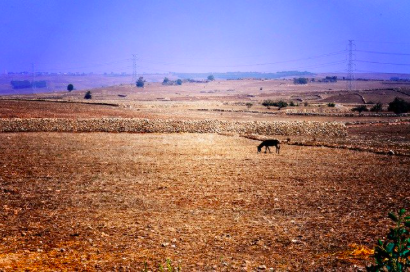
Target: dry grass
{"x": 209, "y": 202}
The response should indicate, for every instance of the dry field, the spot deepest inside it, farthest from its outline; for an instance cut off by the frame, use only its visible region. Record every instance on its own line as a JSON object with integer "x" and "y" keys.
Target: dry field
{"x": 209, "y": 202}
{"x": 102, "y": 201}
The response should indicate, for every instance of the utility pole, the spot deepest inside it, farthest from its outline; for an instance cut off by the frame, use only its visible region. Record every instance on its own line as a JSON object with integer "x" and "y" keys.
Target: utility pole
{"x": 134, "y": 69}
{"x": 350, "y": 66}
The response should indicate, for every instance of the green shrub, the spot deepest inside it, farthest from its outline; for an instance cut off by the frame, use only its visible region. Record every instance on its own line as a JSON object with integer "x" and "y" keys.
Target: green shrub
{"x": 249, "y": 105}
{"x": 360, "y": 109}
{"x": 165, "y": 81}
{"x": 140, "y": 83}
{"x": 377, "y": 108}
{"x": 331, "y": 105}
{"x": 70, "y": 87}
{"x": 88, "y": 95}
{"x": 269, "y": 103}
{"x": 393, "y": 254}
{"x": 211, "y": 78}
{"x": 292, "y": 104}
{"x": 178, "y": 82}
{"x": 300, "y": 80}
{"x": 399, "y": 106}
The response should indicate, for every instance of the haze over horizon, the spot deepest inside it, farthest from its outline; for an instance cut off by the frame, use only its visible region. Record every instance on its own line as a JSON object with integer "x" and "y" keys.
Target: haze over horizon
{"x": 203, "y": 36}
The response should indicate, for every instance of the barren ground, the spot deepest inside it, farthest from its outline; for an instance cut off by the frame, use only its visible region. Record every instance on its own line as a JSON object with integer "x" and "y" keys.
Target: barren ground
{"x": 99, "y": 200}
{"x": 106, "y": 201}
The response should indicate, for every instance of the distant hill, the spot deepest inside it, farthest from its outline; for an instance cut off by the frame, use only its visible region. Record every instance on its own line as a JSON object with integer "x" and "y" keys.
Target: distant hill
{"x": 241, "y": 75}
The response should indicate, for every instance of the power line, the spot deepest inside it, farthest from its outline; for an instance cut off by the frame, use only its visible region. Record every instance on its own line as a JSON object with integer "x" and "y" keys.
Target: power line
{"x": 247, "y": 65}
{"x": 383, "y": 53}
{"x": 382, "y": 42}
{"x": 389, "y": 63}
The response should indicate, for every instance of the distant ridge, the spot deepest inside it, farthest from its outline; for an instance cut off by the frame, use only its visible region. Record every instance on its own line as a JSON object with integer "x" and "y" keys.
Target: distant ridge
{"x": 241, "y": 75}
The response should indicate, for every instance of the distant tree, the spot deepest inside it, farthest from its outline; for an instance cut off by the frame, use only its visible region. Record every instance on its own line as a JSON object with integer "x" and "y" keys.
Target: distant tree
{"x": 70, "y": 87}
{"x": 360, "y": 109}
{"x": 249, "y": 105}
{"x": 399, "y": 106}
{"x": 292, "y": 104}
{"x": 140, "y": 83}
{"x": 165, "y": 81}
{"x": 179, "y": 82}
{"x": 282, "y": 104}
{"x": 331, "y": 105}
{"x": 377, "y": 108}
{"x": 88, "y": 95}
{"x": 300, "y": 80}
{"x": 211, "y": 78}
{"x": 330, "y": 79}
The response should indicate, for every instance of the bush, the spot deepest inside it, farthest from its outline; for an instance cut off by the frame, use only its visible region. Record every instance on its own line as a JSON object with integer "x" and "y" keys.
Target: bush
{"x": 88, "y": 95}
{"x": 300, "y": 80}
{"x": 377, "y": 108}
{"x": 269, "y": 103}
{"x": 140, "y": 83}
{"x": 360, "y": 109}
{"x": 70, "y": 87}
{"x": 249, "y": 105}
{"x": 331, "y": 105}
{"x": 165, "y": 81}
{"x": 292, "y": 104}
{"x": 393, "y": 254}
{"x": 211, "y": 78}
{"x": 330, "y": 79}
{"x": 399, "y": 106}
{"x": 179, "y": 82}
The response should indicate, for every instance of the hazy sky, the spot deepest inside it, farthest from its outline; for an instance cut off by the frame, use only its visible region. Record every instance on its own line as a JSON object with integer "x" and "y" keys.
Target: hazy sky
{"x": 203, "y": 35}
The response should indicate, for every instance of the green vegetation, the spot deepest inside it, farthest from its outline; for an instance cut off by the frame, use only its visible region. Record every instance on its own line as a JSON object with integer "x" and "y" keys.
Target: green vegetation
{"x": 393, "y": 254}
{"x": 140, "y": 83}
{"x": 330, "y": 79}
{"x": 377, "y": 108}
{"x": 292, "y": 104}
{"x": 300, "y": 80}
{"x": 211, "y": 78}
{"x": 360, "y": 109}
{"x": 249, "y": 105}
{"x": 70, "y": 87}
{"x": 399, "y": 106}
{"x": 331, "y": 105}
{"x": 165, "y": 81}
{"x": 269, "y": 103}
{"x": 88, "y": 95}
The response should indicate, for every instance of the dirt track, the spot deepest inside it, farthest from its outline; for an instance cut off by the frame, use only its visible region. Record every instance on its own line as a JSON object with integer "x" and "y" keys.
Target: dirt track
{"x": 209, "y": 202}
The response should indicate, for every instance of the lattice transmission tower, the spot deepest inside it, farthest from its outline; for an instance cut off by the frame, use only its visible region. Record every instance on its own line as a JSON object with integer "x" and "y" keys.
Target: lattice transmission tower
{"x": 134, "y": 69}
{"x": 350, "y": 65}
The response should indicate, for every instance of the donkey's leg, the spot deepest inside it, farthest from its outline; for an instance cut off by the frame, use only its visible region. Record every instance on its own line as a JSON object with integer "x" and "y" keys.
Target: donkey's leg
{"x": 269, "y": 149}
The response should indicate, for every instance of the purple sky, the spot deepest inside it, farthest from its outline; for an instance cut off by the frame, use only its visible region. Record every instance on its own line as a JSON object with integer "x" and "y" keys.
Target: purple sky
{"x": 203, "y": 36}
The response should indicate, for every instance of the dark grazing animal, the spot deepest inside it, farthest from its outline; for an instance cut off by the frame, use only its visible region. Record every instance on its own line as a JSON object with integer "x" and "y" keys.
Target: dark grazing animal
{"x": 267, "y": 144}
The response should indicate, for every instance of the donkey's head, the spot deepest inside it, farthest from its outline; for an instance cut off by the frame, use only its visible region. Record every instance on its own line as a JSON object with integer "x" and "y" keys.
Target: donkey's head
{"x": 259, "y": 148}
